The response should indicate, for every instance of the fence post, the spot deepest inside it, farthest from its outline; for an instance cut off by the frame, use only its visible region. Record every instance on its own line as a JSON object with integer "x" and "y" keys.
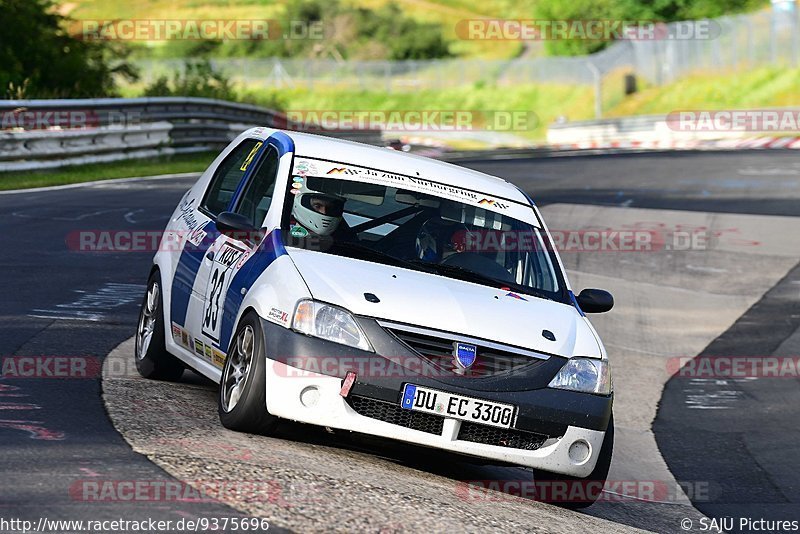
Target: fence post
{"x": 795, "y": 36}
{"x": 773, "y": 37}
{"x": 598, "y": 89}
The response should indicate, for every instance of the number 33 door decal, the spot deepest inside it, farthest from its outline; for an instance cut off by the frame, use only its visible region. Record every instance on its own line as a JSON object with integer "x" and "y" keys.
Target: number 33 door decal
{"x": 221, "y": 274}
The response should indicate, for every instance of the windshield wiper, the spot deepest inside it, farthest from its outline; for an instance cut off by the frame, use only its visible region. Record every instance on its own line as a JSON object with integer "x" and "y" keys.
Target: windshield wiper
{"x": 363, "y": 252}
{"x": 469, "y": 275}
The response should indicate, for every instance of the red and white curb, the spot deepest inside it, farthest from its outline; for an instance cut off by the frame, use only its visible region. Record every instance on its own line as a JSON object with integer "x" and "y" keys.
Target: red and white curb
{"x": 670, "y": 144}
{"x": 431, "y": 150}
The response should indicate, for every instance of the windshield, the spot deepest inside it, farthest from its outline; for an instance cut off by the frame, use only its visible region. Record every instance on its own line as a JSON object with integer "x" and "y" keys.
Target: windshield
{"x": 417, "y": 230}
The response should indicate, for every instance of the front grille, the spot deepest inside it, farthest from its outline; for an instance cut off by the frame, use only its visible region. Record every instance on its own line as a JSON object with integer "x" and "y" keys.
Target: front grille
{"x": 501, "y": 437}
{"x": 439, "y": 350}
{"x": 390, "y": 412}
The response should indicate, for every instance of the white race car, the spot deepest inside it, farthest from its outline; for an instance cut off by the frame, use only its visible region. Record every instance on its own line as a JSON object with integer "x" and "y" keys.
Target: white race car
{"x": 368, "y": 290}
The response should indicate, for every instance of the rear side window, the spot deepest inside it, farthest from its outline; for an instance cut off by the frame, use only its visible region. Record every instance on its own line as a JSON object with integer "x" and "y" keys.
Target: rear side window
{"x": 228, "y": 175}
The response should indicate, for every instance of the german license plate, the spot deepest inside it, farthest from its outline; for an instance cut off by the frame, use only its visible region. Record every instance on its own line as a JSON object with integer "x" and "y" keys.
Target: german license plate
{"x": 437, "y": 402}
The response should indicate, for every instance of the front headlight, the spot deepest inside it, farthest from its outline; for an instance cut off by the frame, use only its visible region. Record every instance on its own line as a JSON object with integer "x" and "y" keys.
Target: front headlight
{"x": 584, "y": 374}
{"x": 329, "y": 322}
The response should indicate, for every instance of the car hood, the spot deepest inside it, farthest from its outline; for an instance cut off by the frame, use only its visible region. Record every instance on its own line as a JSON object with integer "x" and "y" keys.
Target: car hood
{"x": 436, "y": 302}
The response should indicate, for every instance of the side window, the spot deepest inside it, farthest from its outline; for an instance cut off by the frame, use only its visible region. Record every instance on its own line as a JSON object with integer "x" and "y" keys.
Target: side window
{"x": 228, "y": 175}
{"x": 258, "y": 193}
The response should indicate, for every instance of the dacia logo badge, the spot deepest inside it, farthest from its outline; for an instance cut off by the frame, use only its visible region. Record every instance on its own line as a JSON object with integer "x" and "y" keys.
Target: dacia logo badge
{"x": 464, "y": 354}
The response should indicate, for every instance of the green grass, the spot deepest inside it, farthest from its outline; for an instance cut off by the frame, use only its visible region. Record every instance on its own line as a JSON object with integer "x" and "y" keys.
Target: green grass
{"x": 105, "y": 171}
{"x": 759, "y": 87}
{"x": 170, "y": 9}
{"x": 547, "y": 101}
{"x": 446, "y": 13}
{"x": 756, "y": 88}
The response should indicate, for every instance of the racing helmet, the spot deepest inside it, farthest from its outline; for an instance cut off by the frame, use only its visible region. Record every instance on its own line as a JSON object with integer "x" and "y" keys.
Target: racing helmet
{"x": 319, "y": 213}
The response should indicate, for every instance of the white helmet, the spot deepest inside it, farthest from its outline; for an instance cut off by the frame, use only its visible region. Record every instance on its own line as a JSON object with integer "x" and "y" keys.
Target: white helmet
{"x": 319, "y": 213}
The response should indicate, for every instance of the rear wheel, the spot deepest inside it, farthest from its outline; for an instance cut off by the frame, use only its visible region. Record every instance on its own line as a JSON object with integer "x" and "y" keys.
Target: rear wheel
{"x": 152, "y": 359}
{"x": 242, "y": 391}
{"x": 588, "y": 489}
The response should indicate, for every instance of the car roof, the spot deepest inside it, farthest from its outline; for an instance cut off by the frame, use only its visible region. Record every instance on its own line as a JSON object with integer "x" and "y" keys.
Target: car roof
{"x": 385, "y": 159}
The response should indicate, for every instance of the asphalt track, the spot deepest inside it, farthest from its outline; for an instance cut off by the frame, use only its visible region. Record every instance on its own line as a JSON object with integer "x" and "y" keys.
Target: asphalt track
{"x": 55, "y": 434}
{"x": 737, "y": 438}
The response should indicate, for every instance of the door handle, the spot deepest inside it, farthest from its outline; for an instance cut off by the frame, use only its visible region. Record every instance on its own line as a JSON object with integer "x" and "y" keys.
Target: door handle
{"x": 210, "y": 255}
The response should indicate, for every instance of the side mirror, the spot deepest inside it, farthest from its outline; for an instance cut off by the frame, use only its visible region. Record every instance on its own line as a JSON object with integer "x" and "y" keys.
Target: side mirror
{"x": 595, "y": 301}
{"x": 235, "y": 225}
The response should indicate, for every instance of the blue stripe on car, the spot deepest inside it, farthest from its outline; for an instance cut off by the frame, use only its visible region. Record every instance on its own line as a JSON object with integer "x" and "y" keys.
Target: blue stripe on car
{"x": 267, "y": 252}
{"x": 186, "y": 272}
{"x": 526, "y": 195}
{"x": 282, "y": 142}
{"x": 574, "y": 300}
{"x": 192, "y": 256}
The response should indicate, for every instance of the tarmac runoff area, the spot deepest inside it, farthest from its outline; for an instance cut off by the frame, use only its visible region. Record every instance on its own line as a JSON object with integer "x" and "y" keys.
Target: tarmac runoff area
{"x": 669, "y": 304}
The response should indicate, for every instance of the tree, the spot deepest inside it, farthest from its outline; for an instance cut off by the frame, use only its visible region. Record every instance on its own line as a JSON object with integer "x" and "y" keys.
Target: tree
{"x": 39, "y": 59}
{"x": 629, "y": 10}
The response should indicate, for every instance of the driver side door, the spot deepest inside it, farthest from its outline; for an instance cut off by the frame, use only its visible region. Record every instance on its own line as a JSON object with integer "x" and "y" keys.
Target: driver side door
{"x": 229, "y": 253}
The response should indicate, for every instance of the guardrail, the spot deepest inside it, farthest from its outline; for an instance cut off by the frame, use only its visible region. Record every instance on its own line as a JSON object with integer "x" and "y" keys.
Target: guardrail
{"x": 42, "y": 134}
{"x": 648, "y": 130}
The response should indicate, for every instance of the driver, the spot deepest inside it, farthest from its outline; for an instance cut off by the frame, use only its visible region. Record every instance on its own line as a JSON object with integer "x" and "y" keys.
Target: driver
{"x": 318, "y": 214}
{"x": 438, "y": 239}
{"x": 454, "y": 244}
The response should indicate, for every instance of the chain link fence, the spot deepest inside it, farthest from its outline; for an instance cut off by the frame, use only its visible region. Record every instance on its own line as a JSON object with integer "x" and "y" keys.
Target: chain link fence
{"x": 769, "y": 37}
{"x": 388, "y": 76}
{"x": 737, "y": 42}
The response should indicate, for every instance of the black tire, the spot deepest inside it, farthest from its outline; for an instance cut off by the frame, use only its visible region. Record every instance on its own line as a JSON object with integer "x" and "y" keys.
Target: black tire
{"x": 154, "y": 362}
{"x": 599, "y": 475}
{"x": 248, "y": 413}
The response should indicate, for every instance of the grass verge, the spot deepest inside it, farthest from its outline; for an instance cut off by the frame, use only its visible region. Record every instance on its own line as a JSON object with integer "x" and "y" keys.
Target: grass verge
{"x": 546, "y": 101}
{"x": 178, "y": 163}
{"x": 756, "y": 88}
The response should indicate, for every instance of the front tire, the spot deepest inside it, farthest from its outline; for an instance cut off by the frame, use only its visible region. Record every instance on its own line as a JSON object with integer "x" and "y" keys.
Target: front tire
{"x": 152, "y": 359}
{"x": 242, "y": 390}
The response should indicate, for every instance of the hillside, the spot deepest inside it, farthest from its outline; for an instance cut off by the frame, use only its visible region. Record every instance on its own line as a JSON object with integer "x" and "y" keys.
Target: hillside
{"x": 444, "y": 13}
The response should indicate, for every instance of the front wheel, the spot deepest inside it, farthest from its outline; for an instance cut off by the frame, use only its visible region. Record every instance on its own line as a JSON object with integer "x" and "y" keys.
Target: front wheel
{"x": 152, "y": 359}
{"x": 242, "y": 391}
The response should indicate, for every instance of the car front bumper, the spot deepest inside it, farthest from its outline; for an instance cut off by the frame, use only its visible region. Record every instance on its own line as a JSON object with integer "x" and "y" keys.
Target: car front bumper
{"x": 301, "y": 386}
